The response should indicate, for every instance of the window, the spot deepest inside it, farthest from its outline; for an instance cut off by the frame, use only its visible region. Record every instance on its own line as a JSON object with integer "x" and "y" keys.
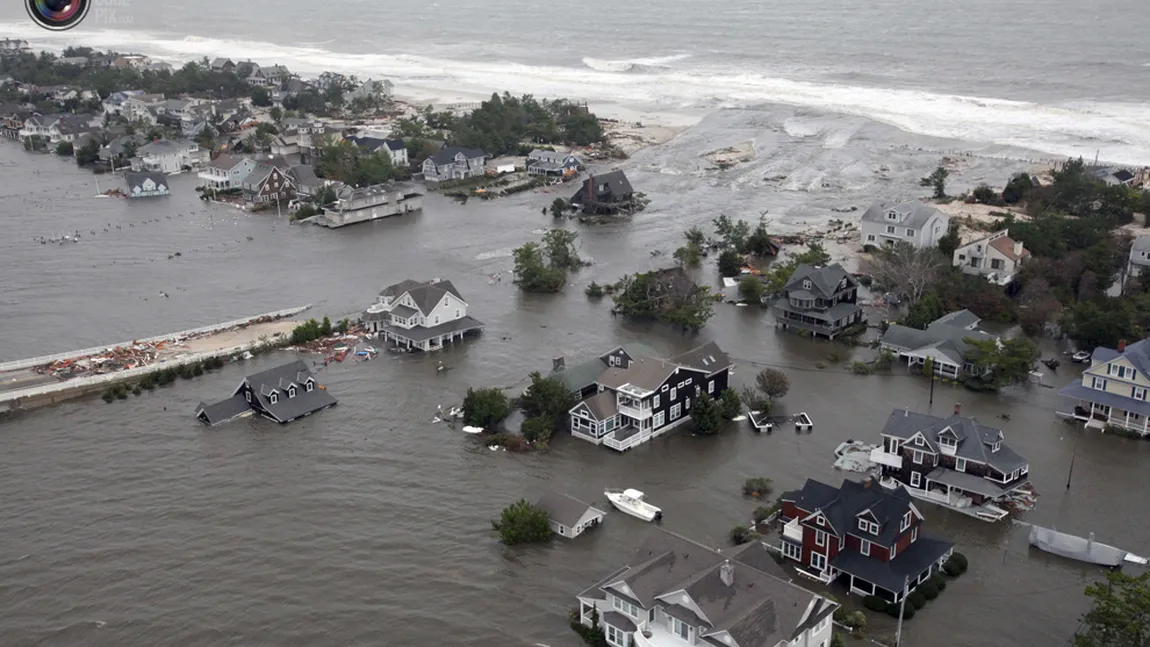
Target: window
{"x": 687, "y": 403}
{"x": 914, "y": 534}
{"x": 1138, "y": 393}
{"x": 655, "y": 402}
{"x": 916, "y": 479}
{"x": 1098, "y": 383}
{"x": 905, "y": 522}
{"x": 864, "y": 548}
{"x": 818, "y": 561}
{"x": 890, "y": 229}
{"x": 820, "y": 538}
{"x": 698, "y": 390}
{"x": 892, "y": 215}
{"x": 674, "y": 394}
{"x": 309, "y": 385}
{"x": 909, "y": 232}
{"x": 274, "y": 397}
{"x": 960, "y": 464}
{"x": 248, "y": 396}
{"x": 664, "y": 388}
{"x": 917, "y": 457}
{"x": 614, "y": 636}
{"x": 919, "y": 441}
{"x": 676, "y": 411}
{"x": 893, "y": 550}
{"x": 807, "y": 284}
{"x": 613, "y": 361}
{"x": 962, "y": 257}
{"x": 680, "y": 628}
{"x": 291, "y": 391}
{"x": 996, "y": 446}
{"x": 436, "y": 319}
{"x": 794, "y": 551}
{"x": 711, "y": 386}
{"x": 657, "y": 421}
{"x": 870, "y": 238}
{"x": 868, "y": 526}
{"x": 995, "y": 264}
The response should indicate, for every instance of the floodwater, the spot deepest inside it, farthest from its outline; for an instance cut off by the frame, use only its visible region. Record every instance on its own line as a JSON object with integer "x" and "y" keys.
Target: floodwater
{"x": 130, "y": 523}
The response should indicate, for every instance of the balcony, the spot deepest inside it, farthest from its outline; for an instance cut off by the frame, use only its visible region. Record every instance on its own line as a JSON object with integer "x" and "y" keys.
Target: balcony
{"x": 880, "y": 456}
{"x": 634, "y": 412}
{"x": 793, "y": 530}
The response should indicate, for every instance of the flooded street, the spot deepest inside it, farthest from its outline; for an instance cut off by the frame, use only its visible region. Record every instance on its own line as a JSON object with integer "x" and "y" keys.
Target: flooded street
{"x": 367, "y": 524}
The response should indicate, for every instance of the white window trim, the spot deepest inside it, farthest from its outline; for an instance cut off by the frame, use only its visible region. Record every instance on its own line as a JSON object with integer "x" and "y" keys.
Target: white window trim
{"x": 711, "y": 386}
{"x": 905, "y": 522}
{"x": 916, "y": 482}
{"x": 914, "y": 534}
{"x": 819, "y": 557}
{"x": 655, "y": 402}
{"x": 820, "y": 538}
{"x": 864, "y": 547}
{"x": 893, "y": 551}
{"x": 960, "y": 464}
{"x": 917, "y": 457}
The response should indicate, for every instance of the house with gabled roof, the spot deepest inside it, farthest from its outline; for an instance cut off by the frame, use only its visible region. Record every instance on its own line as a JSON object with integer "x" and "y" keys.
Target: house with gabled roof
{"x": 943, "y": 342}
{"x": 955, "y": 462}
{"x": 823, "y": 301}
{"x": 270, "y": 180}
{"x": 1113, "y": 391}
{"x": 420, "y": 315}
{"x": 222, "y": 65}
{"x": 995, "y": 257}
{"x": 915, "y": 223}
{"x": 146, "y": 185}
{"x": 860, "y": 533}
{"x": 552, "y": 163}
{"x": 637, "y": 397}
{"x": 569, "y": 516}
{"x": 395, "y": 148}
{"x": 281, "y": 394}
{"x": 675, "y": 592}
{"x": 454, "y": 163}
{"x": 605, "y": 194}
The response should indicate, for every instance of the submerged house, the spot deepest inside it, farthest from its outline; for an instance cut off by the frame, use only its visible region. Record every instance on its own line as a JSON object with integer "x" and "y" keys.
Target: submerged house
{"x": 552, "y": 163}
{"x": 823, "y": 301}
{"x": 1113, "y": 391}
{"x": 636, "y": 397}
{"x": 420, "y": 315}
{"x": 606, "y": 194}
{"x": 282, "y": 394}
{"x": 368, "y": 203}
{"x": 674, "y": 592}
{"x": 569, "y": 516}
{"x": 943, "y": 343}
{"x": 146, "y": 185}
{"x": 862, "y": 533}
{"x": 956, "y": 462}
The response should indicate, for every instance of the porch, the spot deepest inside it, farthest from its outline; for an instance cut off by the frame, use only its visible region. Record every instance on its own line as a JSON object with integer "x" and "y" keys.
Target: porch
{"x": 1101, "y": 408}
{"x": 429, "y": 339}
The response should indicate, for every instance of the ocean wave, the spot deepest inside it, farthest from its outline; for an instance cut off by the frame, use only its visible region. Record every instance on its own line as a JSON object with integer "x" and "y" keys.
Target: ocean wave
{"x": 1117, "y": 132}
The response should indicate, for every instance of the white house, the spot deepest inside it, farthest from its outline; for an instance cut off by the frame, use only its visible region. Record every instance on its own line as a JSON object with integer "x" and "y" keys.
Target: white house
{"x": 142, "y": 107}
{"x": 916, "y": 223}
{"x": 569, "y": 516}
{"x": 226, "y": 172}
{"x": 168, "y": 156}
{"x": 995, "y": 257}
{"x": 675, "y": 592}
{"x": 1139, "y": 259}
{"x": 114, "y": 104}
{"x": 420, "y": 315}
{"x": 454, "y": 163}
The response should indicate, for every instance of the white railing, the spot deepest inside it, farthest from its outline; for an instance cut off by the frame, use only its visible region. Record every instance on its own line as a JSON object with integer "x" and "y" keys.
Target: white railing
{"x": 48, "y": 359}
{"x": 877, "y": 455}
{"x": 793, "y": 530}
{"x": 635, "y": 412}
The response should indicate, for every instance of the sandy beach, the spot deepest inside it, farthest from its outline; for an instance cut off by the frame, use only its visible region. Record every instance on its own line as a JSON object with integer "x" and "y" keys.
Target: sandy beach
{"x": 228, "y": 339}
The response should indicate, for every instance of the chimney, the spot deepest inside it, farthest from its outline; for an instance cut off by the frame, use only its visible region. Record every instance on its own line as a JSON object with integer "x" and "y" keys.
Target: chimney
{"x": 557, "y": 364}
{"x": 590, "y": 187}
{"x": 957, "y": 408}
{"x": 906, "y": 413}
{"x": 727, "y": 573}
{"x": 1017, "y": 248}
{"x": 1121, "y": 345}
{"x": 867, "y": 482}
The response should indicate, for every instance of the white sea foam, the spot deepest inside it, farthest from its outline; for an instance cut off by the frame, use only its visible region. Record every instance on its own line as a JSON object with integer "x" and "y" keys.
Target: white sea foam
{"x": 1118, "y": 132}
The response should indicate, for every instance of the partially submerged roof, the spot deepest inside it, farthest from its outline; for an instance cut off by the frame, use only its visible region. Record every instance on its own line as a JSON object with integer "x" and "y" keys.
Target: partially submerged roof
{"x": 277, "y": 379}
{"x": 448, "y": 153}
{"x": 947, "y": 334}
{"x": 975, "y": 440}
{"x": 222, "y": 411}
{"x": 564, "y": 509}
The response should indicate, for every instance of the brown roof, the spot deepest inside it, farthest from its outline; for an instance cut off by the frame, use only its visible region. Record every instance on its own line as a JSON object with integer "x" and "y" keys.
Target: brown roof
{"x": 644, "y": 372}
{"x": 1006, "y": 247}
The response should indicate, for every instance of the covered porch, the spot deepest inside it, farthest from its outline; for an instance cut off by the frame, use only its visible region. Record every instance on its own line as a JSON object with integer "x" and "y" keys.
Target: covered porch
{"x": 429, "y": 339}
{"x": 864, "y": 575}
{"x": 1100, "y": 408}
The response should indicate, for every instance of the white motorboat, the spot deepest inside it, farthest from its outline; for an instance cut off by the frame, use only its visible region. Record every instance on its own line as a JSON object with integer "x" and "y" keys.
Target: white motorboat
{"x": 468, "y": 429}
{"x": 1081, "y": 357}
{"x": 633, "y": 502}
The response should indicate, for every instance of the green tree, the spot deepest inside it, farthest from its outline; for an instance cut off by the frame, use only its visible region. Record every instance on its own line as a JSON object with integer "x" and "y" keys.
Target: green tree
{"x": 277, "y": 115}
{"x": 547, "y": 400}
{"x": 64, "y": 148}
{"x": 814, "y": 254}
{"x": 668, "y": 296}
{"x": 1016, "y": 189}
{"x": 730, "y": 263}
{"x": 696, "y": 237}
{"x": 325, "y": 327}
{"x": 688, "y": 255}
{"x": 1001, "y": 363}
{"x": 772, "y": 383}
{"x": 1102, "y": 322}
{"x": 949, "y": 241}
{"x": 733, "y": 232}
{"x": 485, "y": 407}
{"x": 533, "y": 274}
{"x": 983, "y": 194}
{"x": 523, "y": 523}
{"x": 261, "y": 97}
{"x": 559, "y": 207}
{"x": 559, "y": 244}
{"x": 730, "y": 406}
{"x": 1120, "y": 612}
{"x": 706, "y": 415}
{"x": 759, "y": 241}
{"x": 89, "y": 153}
{"x": 924, "y": 311}
{"x": 936, "y": 180}
{"x": 751, "y": 289}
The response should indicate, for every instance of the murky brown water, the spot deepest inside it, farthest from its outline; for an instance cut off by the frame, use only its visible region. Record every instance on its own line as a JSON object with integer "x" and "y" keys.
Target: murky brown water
{"x": 132, "y": 524}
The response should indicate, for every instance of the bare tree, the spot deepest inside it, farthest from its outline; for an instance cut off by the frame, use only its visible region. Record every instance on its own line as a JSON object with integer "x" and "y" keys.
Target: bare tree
{"x": 1037, "y": 306}
{"x": 907, "y": 269}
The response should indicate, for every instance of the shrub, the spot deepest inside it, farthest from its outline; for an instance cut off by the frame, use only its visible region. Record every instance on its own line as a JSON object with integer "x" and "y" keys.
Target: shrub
{"x": 928, "y": 589}
{"x": 861, "y": 368}
{"x": 537, "y": 429}
{"x": 522, "y": 523}
{"x": 759, "y": 487}
{"x": 108, "y": 397}
{"x": 908, "y": 611}
{"x": 956, "y": 565}
{"x": 594, "y": 290}
{"x": 764, "y": 512}
{"x": 855, "y": 621}
{"x": 121, "y": 393}
{"x": 837, "y": 641}
{"x": 485, "y": 407}
{"x": 137, "y": 390}
{"x": 592, "y": 635}
{"x": 875, "y": 603}
{"x": 917, "y": 599}
{"x": 951, "y": 569}
{"x": 742, "y": 534}
{"x": 198, "y": 370}
{"x": 939, "y": 582}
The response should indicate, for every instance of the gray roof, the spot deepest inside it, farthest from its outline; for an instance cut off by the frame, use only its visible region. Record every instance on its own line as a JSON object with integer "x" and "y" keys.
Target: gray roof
{"x": 645, "y": 373}
{"x": 974, "y": 438}
{"x": 116, "y": 146}
{"x": 164, "y": 147}
{"x": 227, "y": 161}
{"x": 842, "y": 507}
{"x": 428, "y": 295}
{"x": 960, "y": 318}
{"x": 618, "y": 620}
{"x": 756, "y": 608}
{"x": 419, "y": 334}
{"x": 909, "y": 563}
{"x": 138, "y": 179}
{"x": 397, "y": 289}
{"x": 305, "y": 175}
{"x": 911, "y": 214}
{"x": 708, "y": 358}
{"x": 947, "y": 334}
{"x": 220, "y": 62}
{"x": 1079, "y": 391}
{"x": 447, "y": 154}
{"x": 373, "y": 144}
{"x": 616, "y": 184}
{"x": 583, "y": 374}
{"x": 403, "y": 312}
{"x": 602, "y": 405}
{"x": 564, "y": 509}
{"x": 825, "y": 281}
{"x": 222, "y": 411}
{"x": 287, "y": 409}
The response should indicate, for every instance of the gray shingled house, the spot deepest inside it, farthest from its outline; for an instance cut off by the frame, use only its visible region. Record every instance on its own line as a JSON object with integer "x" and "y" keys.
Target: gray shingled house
{"x": 282, "y": 394}
{"x": 915, "y": 223}
{"x": 607, "y": 194}
{"x": 820, "y": 300}
{"x": 674, "y": 591}
{"x": 943, "y": 343}
{"x": 569, "y": 516}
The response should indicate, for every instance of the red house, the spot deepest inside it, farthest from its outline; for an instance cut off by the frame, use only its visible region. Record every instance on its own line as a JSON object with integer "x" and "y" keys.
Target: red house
{"x": 862, "y": 533}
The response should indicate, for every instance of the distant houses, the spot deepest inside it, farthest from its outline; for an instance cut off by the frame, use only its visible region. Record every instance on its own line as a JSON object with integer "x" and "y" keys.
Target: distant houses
{"x": 146, "y": 185}
{"x": 606, "y": 194}
{"x": 821, "y": 301}
{"x": 915, "y": 223}
{"x": 281, "y": 394}
{"x": 420, "y": 315}
{"x": 454, "y": 163}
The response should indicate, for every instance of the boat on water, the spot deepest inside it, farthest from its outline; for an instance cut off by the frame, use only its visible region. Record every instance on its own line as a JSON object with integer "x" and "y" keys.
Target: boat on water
{"x": 468, "y": 429}
{"x": 1079, "y": 548}
{"x": 634, "y": 503}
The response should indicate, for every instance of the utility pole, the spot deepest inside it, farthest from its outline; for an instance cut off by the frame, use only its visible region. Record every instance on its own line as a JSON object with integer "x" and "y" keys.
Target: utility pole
{"x": 901, "y": 610}
{"x": 931, "y": 404}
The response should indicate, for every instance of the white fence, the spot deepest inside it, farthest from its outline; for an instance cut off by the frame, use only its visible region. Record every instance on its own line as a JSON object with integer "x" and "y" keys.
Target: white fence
{"x": 48, "y": 359}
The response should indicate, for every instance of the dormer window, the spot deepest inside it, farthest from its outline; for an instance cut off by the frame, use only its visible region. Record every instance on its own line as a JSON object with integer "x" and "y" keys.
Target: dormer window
{"x": 868, "y": 526}
{"x": 807, "y": 284}
{"x": 996, "y": 446}
{"x": 309, "y": 385}
{"x": 948, "y": 442}
{"x": 892, "y": 215}
{"x": 273, "y": 397}
{"x": 905, "y": 522}
{"x": 291, "y": 391}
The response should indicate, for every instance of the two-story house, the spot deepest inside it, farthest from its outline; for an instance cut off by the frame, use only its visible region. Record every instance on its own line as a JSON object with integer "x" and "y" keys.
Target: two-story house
{"x": 1113, "y": 390}
{"x": 281, "y": 394}
{"x": 420, "y": 315}
{"x": 269, "y": 181}
{"x": 355, "y": 205}
{"x": 676, "y": 593}
{"x": 955, "y": 462}
{"x": 635, "y": 398}
{"x": 915, "y": 223}
{"x": 12, "y": 118}
{"x": 146, "y": 185}
{"x": 169, "y": 156}
{"x": 454, "y": 163}
{"x": 70, "y": 128}
{"x": 114, "y": 103}
{"x": 862, "y": 533}
{"x": 226, "y": 172}
{"x": 995, "y": 257}
{"x": 606, "y": 194}
{"x": 943, "y": 343}
{"x": 820, "y": 300}
{"x": 222, "y": 65}
{"x": 1139, "y": 260}
{"x": 552, "y": 163}
{"x": 395, "y": 148}
{"x": 142, "y": 107}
